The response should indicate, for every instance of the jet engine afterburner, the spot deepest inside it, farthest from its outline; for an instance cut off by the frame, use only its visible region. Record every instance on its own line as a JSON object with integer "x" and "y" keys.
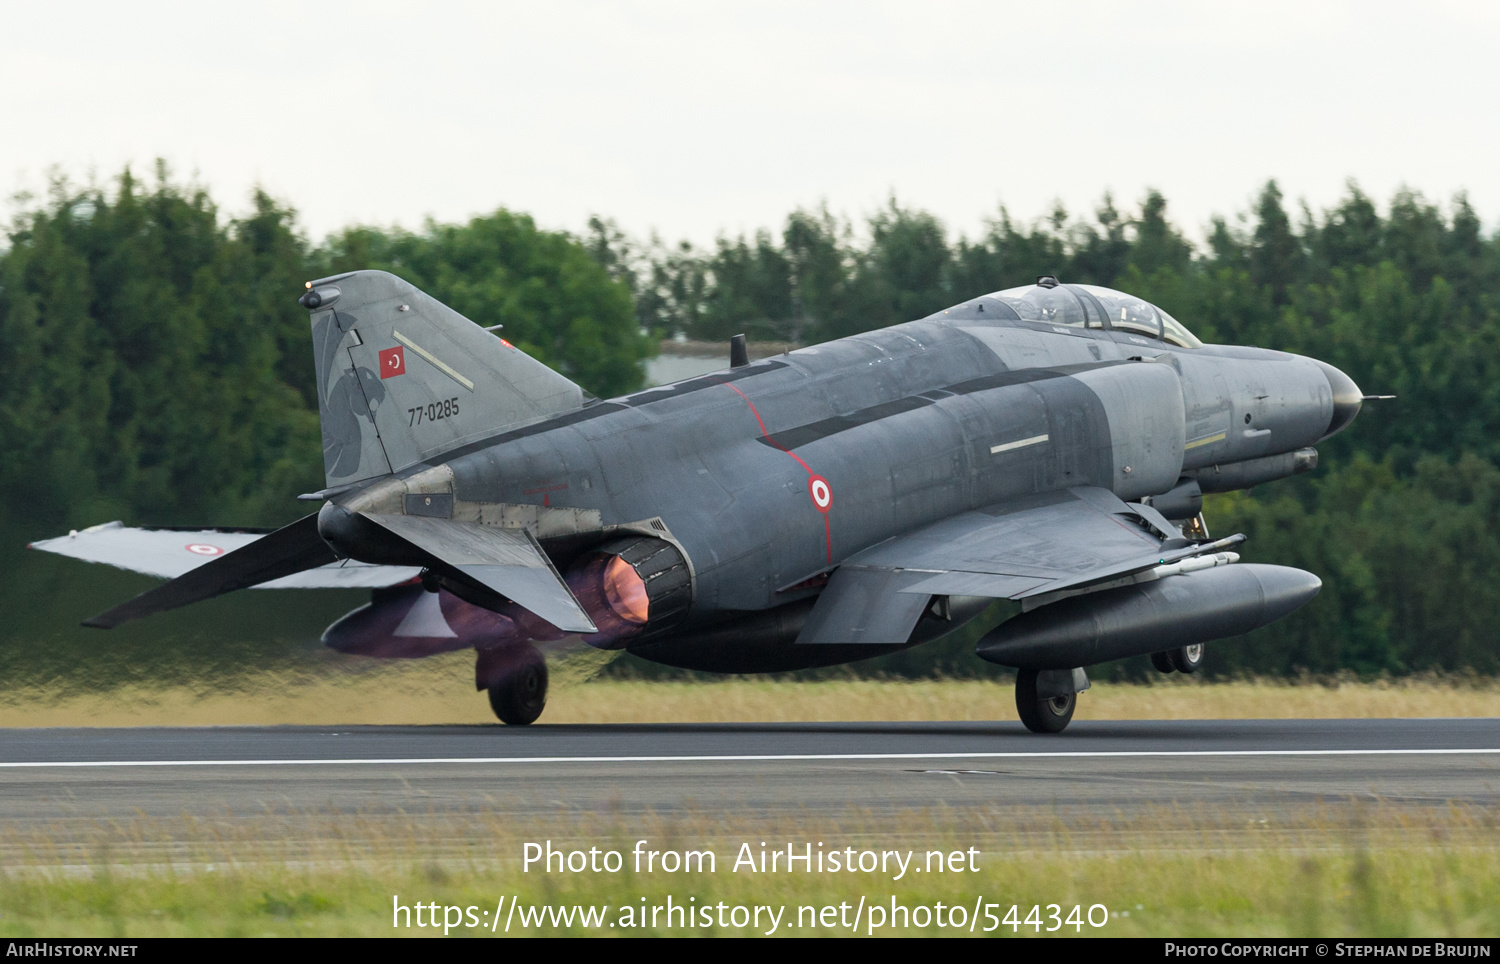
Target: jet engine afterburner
{"x": 631, "y": 588}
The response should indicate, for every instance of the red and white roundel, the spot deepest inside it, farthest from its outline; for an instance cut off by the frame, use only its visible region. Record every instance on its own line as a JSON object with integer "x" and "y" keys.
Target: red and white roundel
{"x": 822, "y": 495}
{"x": 203, "y": 549}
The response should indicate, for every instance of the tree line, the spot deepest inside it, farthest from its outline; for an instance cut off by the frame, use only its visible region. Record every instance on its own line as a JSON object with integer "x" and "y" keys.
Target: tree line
{"x": 155, "y": 367}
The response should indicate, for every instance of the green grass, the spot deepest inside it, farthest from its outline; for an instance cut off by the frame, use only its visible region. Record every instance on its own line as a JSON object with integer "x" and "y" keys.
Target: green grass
{"x": 1377, "y": 892}
{"x": 1346, "y": 869}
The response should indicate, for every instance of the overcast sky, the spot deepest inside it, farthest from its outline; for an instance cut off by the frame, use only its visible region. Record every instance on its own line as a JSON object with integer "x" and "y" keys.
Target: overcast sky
{"x": 695, "y": 119}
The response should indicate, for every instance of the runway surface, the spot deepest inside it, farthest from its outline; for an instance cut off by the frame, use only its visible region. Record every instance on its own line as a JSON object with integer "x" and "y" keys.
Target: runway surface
{"x": 1114, "y": 767}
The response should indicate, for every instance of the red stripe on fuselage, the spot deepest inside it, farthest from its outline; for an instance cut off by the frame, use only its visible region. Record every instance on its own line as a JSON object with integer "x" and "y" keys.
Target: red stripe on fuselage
{"x": 767, "y": 435}
{"x": 827, "y": 526}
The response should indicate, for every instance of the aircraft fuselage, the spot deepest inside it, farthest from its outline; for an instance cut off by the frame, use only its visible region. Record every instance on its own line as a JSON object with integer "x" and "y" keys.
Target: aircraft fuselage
{"x": 889, "y": 431}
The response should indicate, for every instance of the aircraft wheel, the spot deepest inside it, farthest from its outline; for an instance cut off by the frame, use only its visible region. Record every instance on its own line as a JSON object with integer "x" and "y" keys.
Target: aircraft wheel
{"x": 1163, "y": 662}
{"x": 1187, "y": 659}
{"x": 1039, "y": 715}
{"x": 520, "y": 698}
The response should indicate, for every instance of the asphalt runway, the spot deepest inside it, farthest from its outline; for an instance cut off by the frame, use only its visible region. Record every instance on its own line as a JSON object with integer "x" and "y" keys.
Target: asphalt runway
{"x": 1109, "y": 767}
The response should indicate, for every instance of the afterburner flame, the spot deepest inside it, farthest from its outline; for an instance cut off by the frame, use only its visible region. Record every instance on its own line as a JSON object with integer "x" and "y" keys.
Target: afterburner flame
{"x": 626, "y": 591}
{"x": 613, "y": 595}
{"x": 406, "y": 622}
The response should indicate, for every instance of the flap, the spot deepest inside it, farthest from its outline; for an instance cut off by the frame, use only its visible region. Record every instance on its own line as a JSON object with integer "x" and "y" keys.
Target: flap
{"x": 508, "y": 561}
{"x": 865, "y": 606}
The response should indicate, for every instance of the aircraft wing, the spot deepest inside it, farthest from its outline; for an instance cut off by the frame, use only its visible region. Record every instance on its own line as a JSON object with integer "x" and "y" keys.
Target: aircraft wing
{"x": 170, "y": 553}
{"x": 1010, "y": 550}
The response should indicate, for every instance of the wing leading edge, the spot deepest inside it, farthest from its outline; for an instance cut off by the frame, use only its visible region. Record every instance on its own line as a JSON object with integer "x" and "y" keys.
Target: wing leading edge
{"x": 1011, "y": 550}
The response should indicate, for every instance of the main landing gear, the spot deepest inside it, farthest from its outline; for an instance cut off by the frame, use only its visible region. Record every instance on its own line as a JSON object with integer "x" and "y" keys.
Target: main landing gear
{"x": 1183, "y": 659}
{"x": 1046, "y": 699}
{"x": 516, "y": 679}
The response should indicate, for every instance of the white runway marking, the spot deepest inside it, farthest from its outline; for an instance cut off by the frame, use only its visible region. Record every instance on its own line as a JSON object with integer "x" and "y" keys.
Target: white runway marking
{"x": 745, "y": 758}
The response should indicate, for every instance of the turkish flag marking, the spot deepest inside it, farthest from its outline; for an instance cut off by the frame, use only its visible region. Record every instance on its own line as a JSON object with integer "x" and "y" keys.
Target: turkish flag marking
{"x": 393, "y": 362}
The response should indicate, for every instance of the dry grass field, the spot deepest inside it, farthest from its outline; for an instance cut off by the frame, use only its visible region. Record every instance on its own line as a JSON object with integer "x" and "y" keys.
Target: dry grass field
{"x": 438, "y": 691}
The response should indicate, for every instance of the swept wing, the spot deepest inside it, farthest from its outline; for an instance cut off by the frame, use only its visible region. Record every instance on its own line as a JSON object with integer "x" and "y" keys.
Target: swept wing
{"x": 1010, "y": 550}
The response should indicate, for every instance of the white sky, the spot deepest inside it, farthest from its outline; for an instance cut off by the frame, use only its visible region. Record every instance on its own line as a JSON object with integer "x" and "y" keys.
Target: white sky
{"x": 694, "y": 119}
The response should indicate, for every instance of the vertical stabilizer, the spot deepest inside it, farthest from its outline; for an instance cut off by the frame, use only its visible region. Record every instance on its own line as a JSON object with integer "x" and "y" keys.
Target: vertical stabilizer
{"x": 403, "y": 377}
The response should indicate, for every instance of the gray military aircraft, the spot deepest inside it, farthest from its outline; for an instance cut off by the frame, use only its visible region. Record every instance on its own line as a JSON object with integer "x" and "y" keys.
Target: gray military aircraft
{"x": 1049, "y": 444}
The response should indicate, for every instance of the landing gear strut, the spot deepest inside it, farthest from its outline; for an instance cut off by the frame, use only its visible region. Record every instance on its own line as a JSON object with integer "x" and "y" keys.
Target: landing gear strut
{"x": 1047, "y": 708}
{"x": 516, "y": 679}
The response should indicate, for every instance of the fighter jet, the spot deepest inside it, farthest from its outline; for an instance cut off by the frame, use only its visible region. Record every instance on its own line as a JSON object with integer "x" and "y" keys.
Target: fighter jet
{"x": 1048, "y": 444}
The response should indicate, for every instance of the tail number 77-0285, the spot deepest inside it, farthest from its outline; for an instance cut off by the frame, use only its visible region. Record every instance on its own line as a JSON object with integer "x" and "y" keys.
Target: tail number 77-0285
{"x": 447, "y": 408}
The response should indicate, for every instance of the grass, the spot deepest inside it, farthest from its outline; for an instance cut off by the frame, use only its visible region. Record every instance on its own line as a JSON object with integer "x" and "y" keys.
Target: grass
{"x": 438, "y": 690}
{"x": 1349, "y": 869}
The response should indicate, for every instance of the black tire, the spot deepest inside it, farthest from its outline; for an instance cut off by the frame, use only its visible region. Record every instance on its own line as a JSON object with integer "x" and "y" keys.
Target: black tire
{"x": 1039, "y": 715}
{"x": 520, "y": 698}
{"x": 1163, "y": 662}
{"x": 1187, "y": 659}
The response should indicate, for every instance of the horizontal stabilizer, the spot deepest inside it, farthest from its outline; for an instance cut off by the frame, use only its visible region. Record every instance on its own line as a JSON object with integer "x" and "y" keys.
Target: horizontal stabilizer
{"x": 506, "y": 561}
{"x": 169, "y": 553}
{"x": 289, "y": 550}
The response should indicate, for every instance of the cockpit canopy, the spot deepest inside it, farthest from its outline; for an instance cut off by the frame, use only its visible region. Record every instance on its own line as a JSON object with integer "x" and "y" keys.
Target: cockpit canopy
{"x": 1079, "y": 306}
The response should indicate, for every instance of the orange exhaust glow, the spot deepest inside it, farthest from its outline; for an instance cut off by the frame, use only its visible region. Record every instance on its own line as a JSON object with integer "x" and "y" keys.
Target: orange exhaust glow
{"x": 626, "y": 591}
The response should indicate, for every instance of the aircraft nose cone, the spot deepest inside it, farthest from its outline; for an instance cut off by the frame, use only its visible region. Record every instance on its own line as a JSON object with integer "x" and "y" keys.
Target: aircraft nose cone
{"x": 1347, "y": 398}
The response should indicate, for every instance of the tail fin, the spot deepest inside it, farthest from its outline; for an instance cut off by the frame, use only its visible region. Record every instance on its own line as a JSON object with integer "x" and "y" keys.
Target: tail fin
{"x": 403, "y": 377}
